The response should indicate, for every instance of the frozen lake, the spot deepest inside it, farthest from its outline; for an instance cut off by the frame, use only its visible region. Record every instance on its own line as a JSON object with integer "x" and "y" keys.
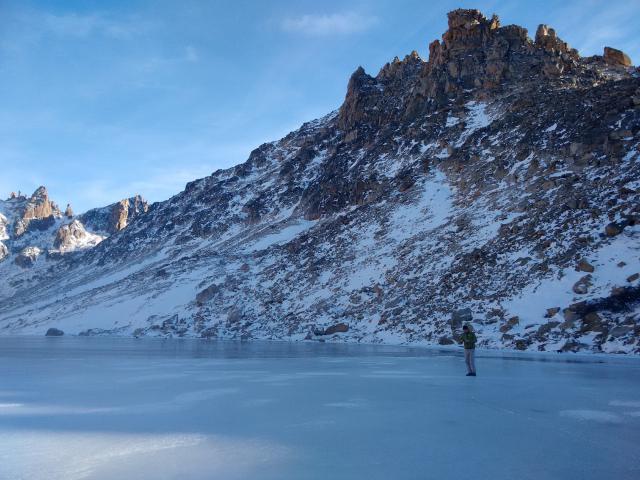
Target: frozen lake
{"x": 101, "y": 408}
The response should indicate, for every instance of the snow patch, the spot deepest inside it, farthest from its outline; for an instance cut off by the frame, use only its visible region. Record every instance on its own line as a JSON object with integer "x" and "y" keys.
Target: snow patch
{"x": 281, "y": 237}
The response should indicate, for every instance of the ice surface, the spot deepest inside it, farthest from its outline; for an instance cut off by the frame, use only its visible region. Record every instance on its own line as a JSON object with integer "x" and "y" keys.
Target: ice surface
{"x": 104, "y": 408}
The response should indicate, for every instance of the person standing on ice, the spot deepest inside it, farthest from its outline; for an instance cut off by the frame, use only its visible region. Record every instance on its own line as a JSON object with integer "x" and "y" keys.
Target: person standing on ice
{"x": 469, "y": 341}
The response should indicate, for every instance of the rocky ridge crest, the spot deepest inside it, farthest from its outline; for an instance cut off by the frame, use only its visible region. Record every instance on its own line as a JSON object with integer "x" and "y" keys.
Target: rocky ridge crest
{"x": 30, "y": 226}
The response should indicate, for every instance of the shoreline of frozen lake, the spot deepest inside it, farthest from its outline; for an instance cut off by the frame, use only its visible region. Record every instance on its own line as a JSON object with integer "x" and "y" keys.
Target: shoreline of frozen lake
{"x": 103, "y": 407}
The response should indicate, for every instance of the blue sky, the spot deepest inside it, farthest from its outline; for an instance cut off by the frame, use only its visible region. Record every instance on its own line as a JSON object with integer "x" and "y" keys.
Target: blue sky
{"x": 100, "y": 100}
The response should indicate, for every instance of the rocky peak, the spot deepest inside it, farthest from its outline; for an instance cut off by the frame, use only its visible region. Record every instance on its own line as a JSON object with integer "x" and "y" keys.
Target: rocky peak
{"x": 125, "y": 210}
{"x": 399, "y": 69}
{"x": 38, "y": 211}
{"x": 358, "y": 89}
{"x": 39, "y": 205}
{"x": 468, "y": 29}
{"x": 68, "y": 211}
{"x": 548, "y": 40}
{"x": 120, "y": 214}
{"x": 115, "y": 217}
{"x": 475, "y": 57}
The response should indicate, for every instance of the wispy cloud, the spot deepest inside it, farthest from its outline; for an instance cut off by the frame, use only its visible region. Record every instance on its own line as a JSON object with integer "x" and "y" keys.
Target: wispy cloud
{"x": 329, "y": 24}
{"x": 85, "y": 25}
{"x": 191, "y": 54}
{"x": 157, "y": 185}
{"x": 591, "y": 25}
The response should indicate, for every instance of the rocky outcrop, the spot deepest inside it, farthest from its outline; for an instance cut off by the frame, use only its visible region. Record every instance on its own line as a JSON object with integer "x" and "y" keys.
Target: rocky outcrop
{"x": 475, "y": 52}
{"x": 207, "y": 294}
{"x": 39, "y": 205}
{"x": 54, "y": 332}
{"x": 119, "y": 215}
{"x": 27, "y": 257}
{"x": 37, "y": 213}
{"x": 73, "y": 236}
{"x": 337, "y": 328}
{"x": 115, "y": 217}
{"x": 4, "y": 251}
{"x": 68, "y": 211}
{"x": 616, "y": 57}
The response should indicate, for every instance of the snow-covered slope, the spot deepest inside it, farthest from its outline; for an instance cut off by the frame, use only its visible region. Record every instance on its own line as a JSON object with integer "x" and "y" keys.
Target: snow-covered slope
{"x": 495, "y": 182}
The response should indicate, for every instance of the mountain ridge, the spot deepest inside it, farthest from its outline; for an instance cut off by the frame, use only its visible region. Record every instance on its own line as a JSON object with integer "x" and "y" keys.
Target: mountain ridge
{"x": 493, "y": 183}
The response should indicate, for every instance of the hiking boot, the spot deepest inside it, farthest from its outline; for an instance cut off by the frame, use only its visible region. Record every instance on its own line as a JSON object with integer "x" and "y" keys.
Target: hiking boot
{"x": 473, "y": 374}
{"x": 469, "y": 374}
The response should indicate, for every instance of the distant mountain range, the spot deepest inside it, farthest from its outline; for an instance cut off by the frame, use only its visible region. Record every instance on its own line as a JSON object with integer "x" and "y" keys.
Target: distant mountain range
{"x": 496, "y": 183}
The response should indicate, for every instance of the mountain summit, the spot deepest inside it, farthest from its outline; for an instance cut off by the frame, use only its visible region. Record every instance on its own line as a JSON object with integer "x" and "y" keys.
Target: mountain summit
{"x": 494, "y": 183}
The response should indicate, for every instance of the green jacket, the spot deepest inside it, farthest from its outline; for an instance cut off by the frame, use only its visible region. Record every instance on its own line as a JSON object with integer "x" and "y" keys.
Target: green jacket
{"x": 469, "y": 340}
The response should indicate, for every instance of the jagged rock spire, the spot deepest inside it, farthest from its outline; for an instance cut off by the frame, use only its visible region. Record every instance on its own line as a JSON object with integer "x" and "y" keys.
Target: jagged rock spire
{"x": 475, "y": 54}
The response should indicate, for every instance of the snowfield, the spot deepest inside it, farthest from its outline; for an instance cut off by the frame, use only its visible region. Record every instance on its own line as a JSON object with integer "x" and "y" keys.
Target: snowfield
{"x": 104, "y": 408}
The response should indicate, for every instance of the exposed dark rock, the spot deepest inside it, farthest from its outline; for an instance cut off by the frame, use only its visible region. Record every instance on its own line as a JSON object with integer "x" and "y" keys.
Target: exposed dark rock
{"x": 27, "y": 257}
{"x": 582, "y": 286}
{"x": 614, "y": 228}
{"x": 552, "y": 312}
{"x": 54, "y": 332}
{"x": 544, "y": 329}
{"x": 584, "y": 266}
{"x": 592, "y": 322}
{"x": 521, "y": 344}
{"x": 207, "y": 294}
{"x": 337, "y": 328}
{"x": 512, "y": 322}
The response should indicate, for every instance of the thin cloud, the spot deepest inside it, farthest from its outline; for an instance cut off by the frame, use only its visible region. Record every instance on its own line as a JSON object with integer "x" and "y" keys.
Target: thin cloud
{"x": 158, "y": 185}
{"x": 329, "y": 24}
{"x": 82, "y": 26}
{"x": 191, "y": 54}
{"x": 590, "y": 26}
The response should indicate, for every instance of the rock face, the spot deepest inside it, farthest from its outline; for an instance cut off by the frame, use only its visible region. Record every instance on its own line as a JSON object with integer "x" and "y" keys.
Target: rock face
{"x": 115, "y": 217}
{"x": 27, "y": 257}
{"x": 73, "y": 236}
{"x": 478, "y": 178}
{"x": 337, "y": 328}
{"x": 37, "y": 212}
{"x": 4, "y": 251}
{"x": 616, "y": 57}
